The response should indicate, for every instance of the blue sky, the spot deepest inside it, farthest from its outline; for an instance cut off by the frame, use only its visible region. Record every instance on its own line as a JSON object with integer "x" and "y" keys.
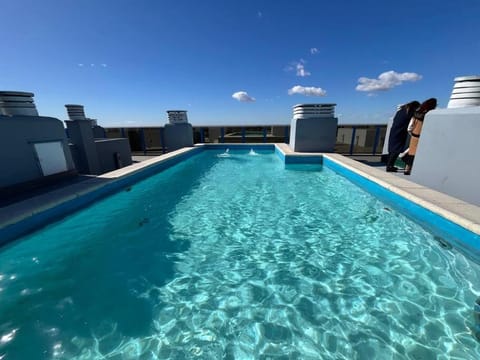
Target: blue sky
{"x": 235, "y": 62}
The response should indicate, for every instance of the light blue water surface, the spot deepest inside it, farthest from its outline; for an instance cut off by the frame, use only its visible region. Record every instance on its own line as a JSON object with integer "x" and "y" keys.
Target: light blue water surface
{"x": 237, "y": 257}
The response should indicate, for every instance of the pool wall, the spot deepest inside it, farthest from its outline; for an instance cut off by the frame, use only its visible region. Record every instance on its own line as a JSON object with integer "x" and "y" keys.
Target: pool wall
{"x": 461, "y": 237}
{"x": 237, "y": 146}
{"x": 307, "y": 158}
{"x": 33, "y": 214}
{"x": 442, "y": 219}
{"x": 22, "y": 218}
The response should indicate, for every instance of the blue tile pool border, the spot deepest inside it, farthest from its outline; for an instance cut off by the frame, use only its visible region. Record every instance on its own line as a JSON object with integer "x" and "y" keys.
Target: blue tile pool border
{"x": 463, "y": 239}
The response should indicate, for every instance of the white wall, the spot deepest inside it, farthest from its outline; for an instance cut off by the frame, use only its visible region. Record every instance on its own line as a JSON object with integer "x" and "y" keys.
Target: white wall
{"x": 387, "y": 135}
{"x": 313, "y": 134}
{"x": 448, "y": 154}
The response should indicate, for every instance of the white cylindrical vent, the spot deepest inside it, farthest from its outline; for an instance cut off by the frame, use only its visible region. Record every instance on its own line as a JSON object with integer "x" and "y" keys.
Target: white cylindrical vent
{"x": 17, "y": 103}
{"x": 466, "y": 92}
{"x": 75, "y": 112}
{"x": 306, "y": 111}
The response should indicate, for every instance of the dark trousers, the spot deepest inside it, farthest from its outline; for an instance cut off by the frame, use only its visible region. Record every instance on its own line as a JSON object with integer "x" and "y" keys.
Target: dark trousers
{"x": 392, "y": 157}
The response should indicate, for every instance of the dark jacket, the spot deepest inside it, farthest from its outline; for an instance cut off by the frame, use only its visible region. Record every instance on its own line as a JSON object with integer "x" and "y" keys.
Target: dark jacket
{"x": 398, "y": 131}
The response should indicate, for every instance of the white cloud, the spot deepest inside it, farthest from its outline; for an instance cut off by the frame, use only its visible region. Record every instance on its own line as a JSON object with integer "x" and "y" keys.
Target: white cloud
{"x": 243, "y": 96}
{"x": 386, "y": 81}
{"x": 299, "y": 68}
{"x": 313, "y": 51}
{"x": 307, "y": 91}
{"x": 91, "y": 65}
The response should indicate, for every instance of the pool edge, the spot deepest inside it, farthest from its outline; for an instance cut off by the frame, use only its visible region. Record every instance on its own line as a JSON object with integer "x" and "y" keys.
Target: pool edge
{"x": 23, "y": 217}
{"x": 442, "y": 218}
{"x": 20, "y": 218}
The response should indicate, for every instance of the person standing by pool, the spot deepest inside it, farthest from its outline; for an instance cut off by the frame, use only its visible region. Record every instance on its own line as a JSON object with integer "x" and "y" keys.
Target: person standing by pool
{"x": 398, "y": 133}
{"x": 415, "y": 127}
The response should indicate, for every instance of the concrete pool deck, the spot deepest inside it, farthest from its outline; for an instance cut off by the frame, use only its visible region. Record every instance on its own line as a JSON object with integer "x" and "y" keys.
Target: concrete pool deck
{"x": 457, "y": 211}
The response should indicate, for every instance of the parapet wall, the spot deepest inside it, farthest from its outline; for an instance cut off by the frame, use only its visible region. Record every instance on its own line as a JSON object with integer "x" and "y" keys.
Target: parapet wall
{"x": 447, "y": 157}
{"x": 18, "y": 136}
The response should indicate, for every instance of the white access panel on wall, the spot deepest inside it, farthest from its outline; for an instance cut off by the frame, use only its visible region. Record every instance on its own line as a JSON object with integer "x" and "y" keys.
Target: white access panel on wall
{"x": 51, "y": 157}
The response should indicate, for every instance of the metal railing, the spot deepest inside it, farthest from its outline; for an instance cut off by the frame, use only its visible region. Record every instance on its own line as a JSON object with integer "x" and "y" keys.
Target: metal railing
{"x": 351, "y": 139}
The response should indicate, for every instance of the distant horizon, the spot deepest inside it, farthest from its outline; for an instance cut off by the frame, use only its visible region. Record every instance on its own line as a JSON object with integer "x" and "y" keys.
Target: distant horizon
{"x": 161, "y": 122}
{"x": 235, "y": 63}
{"x": 252, "y": 124}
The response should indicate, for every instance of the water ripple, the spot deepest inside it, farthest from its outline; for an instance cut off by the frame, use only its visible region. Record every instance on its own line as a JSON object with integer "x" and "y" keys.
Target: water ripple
{"x": 238, "y": 266}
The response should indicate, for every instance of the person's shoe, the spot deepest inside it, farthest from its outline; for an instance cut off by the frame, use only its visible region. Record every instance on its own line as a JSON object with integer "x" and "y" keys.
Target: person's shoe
{"x": 392, "y": 169}
{"x": 406, "y": 172}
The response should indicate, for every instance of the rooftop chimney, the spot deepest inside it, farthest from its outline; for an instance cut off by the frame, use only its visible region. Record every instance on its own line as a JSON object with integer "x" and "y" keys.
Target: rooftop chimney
{"x": 313, "y": 128}
{"x": 466, "y": 92}
{"x": 75, "y": 112}
{"x": 307, "y": 111}
{"x": 17, "y": 103}
{"x": 177, "y": 116}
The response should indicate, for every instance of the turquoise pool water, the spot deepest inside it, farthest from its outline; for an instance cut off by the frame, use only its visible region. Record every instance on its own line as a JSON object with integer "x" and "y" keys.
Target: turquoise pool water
{"x": 237, "y": 257}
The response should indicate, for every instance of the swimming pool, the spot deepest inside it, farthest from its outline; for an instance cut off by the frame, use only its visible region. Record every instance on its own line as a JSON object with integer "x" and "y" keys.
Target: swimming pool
{"x": 237, "y": 256}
